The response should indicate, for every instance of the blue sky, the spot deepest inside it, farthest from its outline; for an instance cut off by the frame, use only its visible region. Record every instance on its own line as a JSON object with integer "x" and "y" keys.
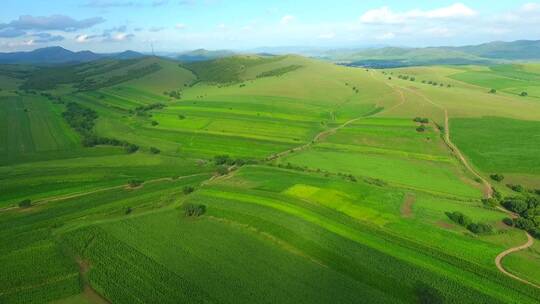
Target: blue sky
{"x": 176, "y": 25}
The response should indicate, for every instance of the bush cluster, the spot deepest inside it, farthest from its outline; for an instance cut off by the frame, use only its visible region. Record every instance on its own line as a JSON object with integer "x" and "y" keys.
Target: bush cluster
{"x": 134, "y": 183}
{"x": 527, "y": 207}
{"x": 406, "y": 77}
{"x": 497, "y": 177}
{"x": 465, "y": 221}
{"x": 83, "y": 119}
{"x": 422, "y": 121}
{"x": 434, "y": 83}
{"x": 26, "y": 203}
{"x": 141, "y": 110}
{"x": 194, "y": 210}
{"x": 176, "y": 94}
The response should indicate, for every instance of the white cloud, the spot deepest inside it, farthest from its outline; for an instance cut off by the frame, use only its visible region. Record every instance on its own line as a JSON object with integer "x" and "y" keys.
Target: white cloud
{"x": 287, "y": 19}
{"x": 180, "y": 26}
{"x": 82, "y": 38}
{"x": 530, "y": 7}
{"x": 385, "y": 14}
{"x": 121, "y": 36}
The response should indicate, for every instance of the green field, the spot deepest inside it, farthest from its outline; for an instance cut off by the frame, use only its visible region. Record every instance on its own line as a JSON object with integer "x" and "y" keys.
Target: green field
{"x": 330, "y": 191}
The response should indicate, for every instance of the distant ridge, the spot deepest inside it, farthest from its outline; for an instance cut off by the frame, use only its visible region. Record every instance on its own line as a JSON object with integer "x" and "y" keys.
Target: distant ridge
{"x": 486, "y": 53}
{"x": 59, "y": 55}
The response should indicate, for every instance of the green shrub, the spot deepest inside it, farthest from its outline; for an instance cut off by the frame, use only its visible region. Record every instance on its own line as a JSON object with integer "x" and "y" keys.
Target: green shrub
{"x": 135, "y": 183}
{"x": 194, "y": 210}
{"x": 187, "y": 190}
{"x": 154, "y": 150}
{"x": 508, "y": 221}
{"x": 516, "y": 188}
{"x": 222, "y": 170}
{"x": 131, "y": 148}
{"x": 222, "y": 159}
{"x": 25, "y": 203}
{"x": 497, "y": 177}
{"x": 479, "y": 228}
{"x": 490, "y": 202}
{"x": 459, "y": 218}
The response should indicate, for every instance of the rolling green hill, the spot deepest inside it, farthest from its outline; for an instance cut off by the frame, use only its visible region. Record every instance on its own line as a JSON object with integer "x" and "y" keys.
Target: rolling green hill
{"x": 266, "y": 179}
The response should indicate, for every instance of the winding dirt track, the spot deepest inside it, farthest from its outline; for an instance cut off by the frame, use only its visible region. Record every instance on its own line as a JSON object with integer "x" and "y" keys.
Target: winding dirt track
{"x": 500, "y": 257}
{"x": 315, "y": 139}
{"x": 488, "y": 190}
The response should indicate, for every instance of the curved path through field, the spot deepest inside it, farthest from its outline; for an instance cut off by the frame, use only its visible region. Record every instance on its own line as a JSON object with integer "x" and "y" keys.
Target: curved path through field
{"x": 315, "y": 139}
{"x": 488, "y": 193}
{"x": 488, "y": 190}
{"x": 500, "y": 257}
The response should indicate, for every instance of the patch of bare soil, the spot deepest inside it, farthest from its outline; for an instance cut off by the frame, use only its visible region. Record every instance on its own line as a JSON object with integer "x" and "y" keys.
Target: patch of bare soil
{"x": 406, "y": 207}
{"x": 445, "y": 225}
{"x": 89, "y": 293}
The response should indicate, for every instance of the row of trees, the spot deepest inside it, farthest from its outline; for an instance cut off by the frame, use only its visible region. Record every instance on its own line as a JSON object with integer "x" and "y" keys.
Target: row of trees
{"x": 463, "y": 220}
{"x": 434, "y": 83}
{"x": 523, "y": 94}
{"x": 141, "y": 110}
{"x": 407, "y": 77}
{"x": 83, "y": 119}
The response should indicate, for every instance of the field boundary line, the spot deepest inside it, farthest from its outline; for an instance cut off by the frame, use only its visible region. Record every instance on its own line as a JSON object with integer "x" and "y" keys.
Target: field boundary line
{"x": 488, "y": 189}
{"x": 315, "y": 139}
{"x": 44, "y": 201}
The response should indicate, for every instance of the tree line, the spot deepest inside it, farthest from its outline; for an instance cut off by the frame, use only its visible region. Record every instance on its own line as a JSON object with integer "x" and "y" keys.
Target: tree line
{"x": 82, "y": 120}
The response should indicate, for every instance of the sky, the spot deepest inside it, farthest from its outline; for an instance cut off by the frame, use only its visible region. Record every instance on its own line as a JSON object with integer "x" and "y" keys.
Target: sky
{"x": 180, "y": 25}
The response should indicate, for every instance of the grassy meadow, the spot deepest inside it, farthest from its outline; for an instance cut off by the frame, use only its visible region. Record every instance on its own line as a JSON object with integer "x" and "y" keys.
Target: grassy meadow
{"x": 312, "y": 182}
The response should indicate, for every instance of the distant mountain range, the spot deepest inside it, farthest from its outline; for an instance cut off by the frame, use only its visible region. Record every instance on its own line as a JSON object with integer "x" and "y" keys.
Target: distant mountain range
{"x": 487, "y": 53}
{"x": 59, "y": 55}
{"x": 492, "y": 52}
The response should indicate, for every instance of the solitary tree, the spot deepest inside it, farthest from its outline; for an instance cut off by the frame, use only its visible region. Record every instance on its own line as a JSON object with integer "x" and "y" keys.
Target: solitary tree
{"x": 492, "y": 91}
{"x": 523, "y": 94}
{"x": 25, "y": 203}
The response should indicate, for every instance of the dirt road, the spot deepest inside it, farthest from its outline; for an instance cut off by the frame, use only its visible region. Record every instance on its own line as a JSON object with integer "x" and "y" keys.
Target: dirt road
{"x": 500, "y": 257}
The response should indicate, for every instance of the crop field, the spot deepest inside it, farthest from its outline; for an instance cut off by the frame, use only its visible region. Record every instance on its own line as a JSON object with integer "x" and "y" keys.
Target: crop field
{"x": 32, "y": 127}
{"x": 500, "y": 145}
{"x": 265, "y": 179}
{"x": 392, "y": 150}
{"x": 512, "y": 79}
